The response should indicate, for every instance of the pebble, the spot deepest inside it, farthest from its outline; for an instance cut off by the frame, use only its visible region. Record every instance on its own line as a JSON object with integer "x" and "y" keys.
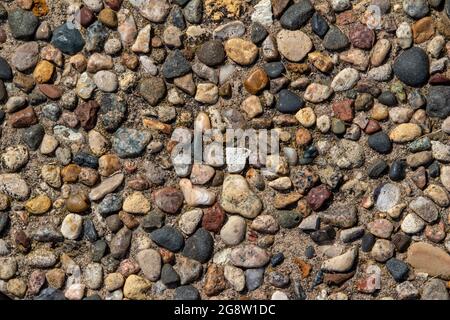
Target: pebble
{"x": 416, "y": 9}
{"x": 293, "y": 45}
{"x": 22, "y": 24}
{"x": 436, "y": 106}
{"x": 380, "y": 142}
{"x": 199, "y": 246}
{"x": 425, "y": 208}
{"x": 297, "y": 15}
{"x": 317, "y": 93}
{"x": 190, "y": 220}
{"x": 345, "y": 79}
{"x": 136, "y": 288}
{"x": 241, "y": 51}
{"x": 175, "y": 65}
{"x": 341, "y": 263}
{"x": 169, "y": 238}
{"x": 424, "y": 257}
{"x": 249, "y": 256}
{"x": 289, "y": 102}
{"x": 238, "y": 198}
{"x": 149, "y": 261}
{"x": 434, "y": 289}
{"x": 382, "y": 250}
{"x": 67, "y": 39}
{"x": 335, "y": 39}
{"x": 186, "y": 293}
{"x": 211, "y": 53}
{"x": 412, "y": 76}
{"x": 405, "y": 132}
{"x": 254, "y": 278}
{"x": 386, "y": 197}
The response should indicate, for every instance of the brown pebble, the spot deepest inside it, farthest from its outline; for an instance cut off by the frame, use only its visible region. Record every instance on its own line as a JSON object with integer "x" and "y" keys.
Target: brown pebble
{"x": 51, "y": 91}
{"x": 256, "y": 81}
{"x": 372, "y": 127}
{"x": 128, "y": 220}
{"x": 78, "y": 203}
{"x": 87, "y": 114}
{"x": 70, "y": 173}
{"x": 23, "y": 118}
{"x": 86, "y": 17}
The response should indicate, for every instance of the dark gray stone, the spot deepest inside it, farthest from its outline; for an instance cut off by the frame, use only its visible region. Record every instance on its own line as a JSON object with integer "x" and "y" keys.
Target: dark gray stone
{"x": 319, "y": 25}
{"x": 412, "y": 67}
{"x": 437, "y": 101}
{"x": 5, "y": 71}
{"x": 297, "y": 15}
{"x": 128, "y": 143}
{"x": 68, "y": 39}
{"x": 398, "y": 269}
{"x": 289, "y": 102}
{"x": 175, "y": 65}
{"x": 32, "y": 136}
{"x": 335, "y": 39}
{"x": 199, "y": 246}
{"x": 22, "y": 24}
{"x": 380, "y": 142}
{"x": 168, "y": 238}
{"x": 186, "y": 293}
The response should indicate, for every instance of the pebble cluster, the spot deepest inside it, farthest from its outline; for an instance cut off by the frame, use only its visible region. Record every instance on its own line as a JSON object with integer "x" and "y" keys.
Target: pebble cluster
{"x": 93, "y": 205}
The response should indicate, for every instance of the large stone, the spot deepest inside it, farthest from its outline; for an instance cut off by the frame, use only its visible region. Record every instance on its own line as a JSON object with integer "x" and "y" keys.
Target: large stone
{"x": 294, "y": 45}
{"x": 424, "y": 257}
{"x": 238, "y": 198}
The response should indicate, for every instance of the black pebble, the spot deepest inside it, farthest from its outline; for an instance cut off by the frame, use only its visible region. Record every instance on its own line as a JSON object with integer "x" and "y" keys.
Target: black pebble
{"x": 412, "y": 67}
{"x": 5, "y": 70}
{"x": 186, "y": 293}
{"x": 387, "y": 98}
{"x": 33, "y": 136}
{"x": 4, "y": 220}
{"x": 169, "y": 238}
{"x": 199, "y": 246}
{"x": 177, "y": 18}
{"x": 258, "y": 32}
{"x": 398, "y": 269}
{"x": 89, "y": 230}
{"x": 401, "y": 241}
{"x": 319, "y": 25}
{"x": 154, "y": 220}
{"x": 169, "y": 276}
{"x": 434, "y": 170}
{"x": 297, "y": 15}
{"x": 377, "y": 168}
{"x": 367, "y": 242}
{"x": 274, "y": 69}
{"x": 324, "y": 235}
{"x": 50, "y": 294}
{"x": 380, "y": 142}
{"x": 310, "y": 252}
{"x": 84, "y": 159}
{"x": 289, "y": 102}
{"x": 98, "y": 250}
{"x": 397, "y": 172}
{"x": 277, "y": 259}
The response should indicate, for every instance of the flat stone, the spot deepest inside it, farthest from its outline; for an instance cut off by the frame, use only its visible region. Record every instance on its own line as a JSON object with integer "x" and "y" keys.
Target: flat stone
{"x": 424, "y": 257}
